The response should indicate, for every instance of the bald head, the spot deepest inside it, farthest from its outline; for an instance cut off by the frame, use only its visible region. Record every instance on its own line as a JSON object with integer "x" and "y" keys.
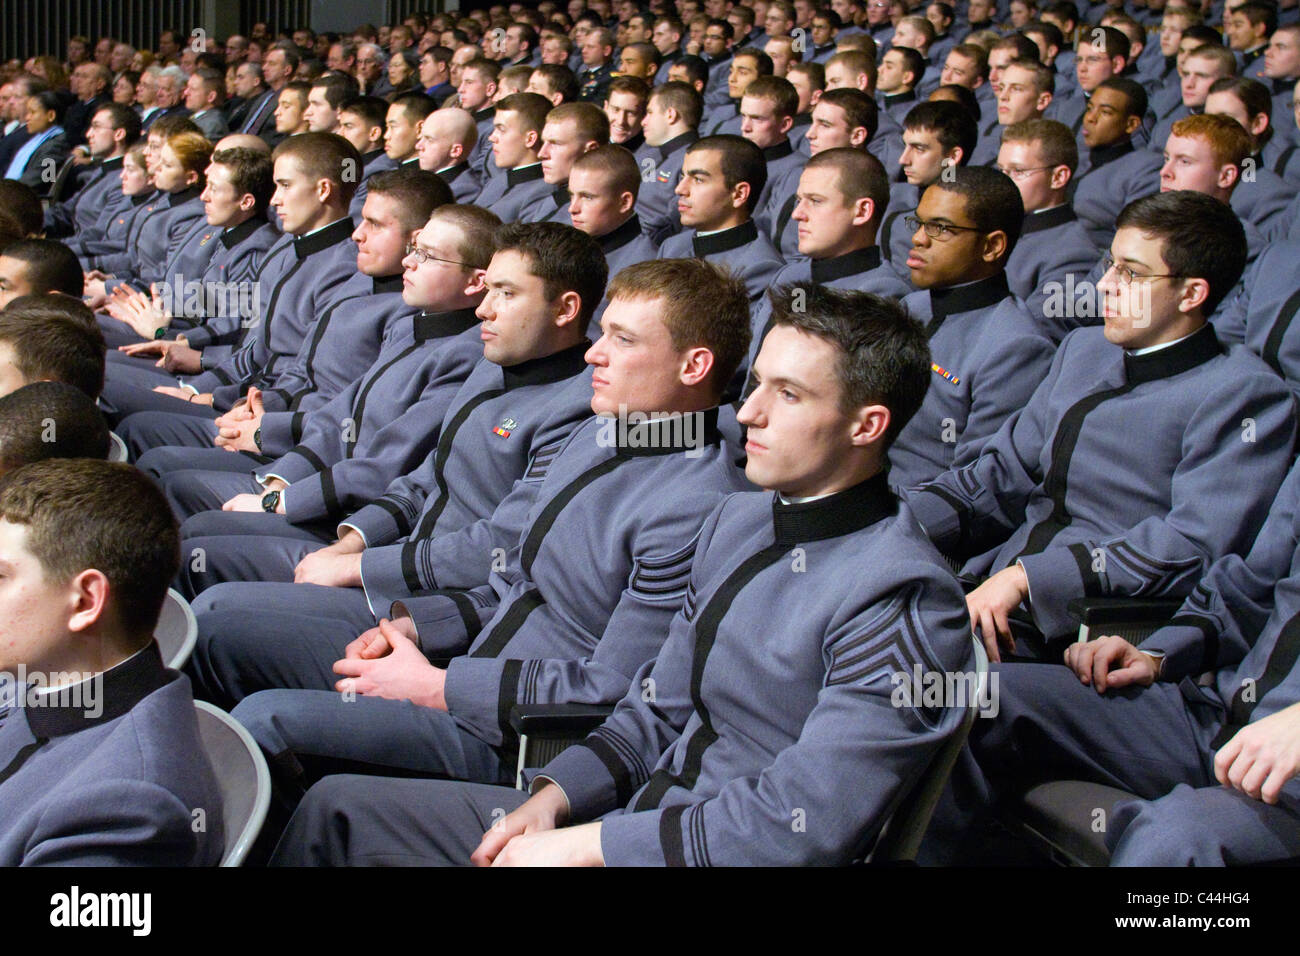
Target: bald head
{"x": 446, "y": 138}
{"x": 243, "y": 141}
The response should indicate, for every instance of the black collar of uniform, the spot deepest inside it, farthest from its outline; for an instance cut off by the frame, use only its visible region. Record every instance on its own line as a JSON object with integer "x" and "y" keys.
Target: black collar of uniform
{"x": 184, "y": 196}
{"x": 849, "y": 264}
{"x": 332, "y": 234}
{"x": 671, "y": 57}
{"x": 892, "y": 98}
{"x": 880, "y": 28}
{"x": 1282, "y": 85}
{"x": 1171, "y": 62}
{"x": 667, "y": 436}
{"x": 120, "y": 688}
{"x": 725, "y": 240}
{"x": 680, "y": 141}
{"x": 139, "y": 199}
{"x": 1197, "y": 349}
{"x": 1250, "y": 56}
{"x": 1102, "y": 155}
{"x": 560, "y": 194}
{"x": 370, "y": 157}
{"x": 819, "y": 50}
{"x": 633, "y": 143}
{"x": 391, "y": 283}
{"x": 780, "y": 151}
{"x": 711, "y": 62}
{"x": 800, "y": 121}
{"x": 835, "y": 515}
{"x": 1048, "y": 219}
{"x": 523, "y": 174}
{"x": 237, "y": 234}
{"x": 486, "y": 113}
{"x": 550, "y": 368}
{"x": 620, "y": 237}
{"x": 112, "y": 163}
{"x": 969, "y": 297}
{"x": 982, "y": 25}
{"x": 440, "y": 325}
{"x": 450, "y": 173}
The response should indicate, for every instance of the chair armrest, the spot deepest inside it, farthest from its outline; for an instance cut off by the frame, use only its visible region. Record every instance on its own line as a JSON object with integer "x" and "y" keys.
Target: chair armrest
{"x": 1111, "y": 612}
{"x": 557, "y": 720}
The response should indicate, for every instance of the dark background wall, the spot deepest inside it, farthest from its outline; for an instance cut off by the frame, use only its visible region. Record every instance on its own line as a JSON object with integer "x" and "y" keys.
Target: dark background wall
{"x": 31, "y": 27}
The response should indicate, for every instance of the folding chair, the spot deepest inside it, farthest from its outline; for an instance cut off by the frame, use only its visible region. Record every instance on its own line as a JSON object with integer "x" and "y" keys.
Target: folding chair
{"x": 177, "y": 631}
{"x": 242, "y": 777}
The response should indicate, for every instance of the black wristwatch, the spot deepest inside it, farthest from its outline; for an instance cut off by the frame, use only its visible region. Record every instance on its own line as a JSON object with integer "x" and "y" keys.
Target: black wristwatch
{"x": 257, "y": 438}
{"x": 270, "y": 501}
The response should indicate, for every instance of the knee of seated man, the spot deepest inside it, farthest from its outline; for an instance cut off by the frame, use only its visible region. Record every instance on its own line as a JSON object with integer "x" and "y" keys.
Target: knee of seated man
{"x": 1170, "y": 831}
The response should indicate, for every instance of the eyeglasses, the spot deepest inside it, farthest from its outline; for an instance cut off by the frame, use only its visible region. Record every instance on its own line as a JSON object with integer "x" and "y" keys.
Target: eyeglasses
{"x": 1020, "y": 173}
{"x": 1127, "y": 276}
{"x": 936, "y": 230}
{"x": 421, "y": 257}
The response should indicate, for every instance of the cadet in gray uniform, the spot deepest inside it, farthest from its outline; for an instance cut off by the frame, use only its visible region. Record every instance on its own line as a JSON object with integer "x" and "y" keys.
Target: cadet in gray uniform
{"x": 842, "y": 118}
{"x": 722, "y": 177}
{"x": 297, "y": 281}
{"x": 1058, "y": 505}
{"x": 345, "y": 454}
{"x": 937, "y": 136}
{"x": 346, "y": 336}
{"x": 102, "y": 765}
{"x": 239, "y": 188}
{"x": 672, "y": 117}
{"x": 1116, "y": 172}
{"x": 571, "y": 129}
{"x": 987, "y": 352}
{"x": 446, "y": 523}
{"x": 767, "y": 112}
{"x": 516, "y": 138}
{"x": 842, "y": 196}
{"x": 1261, "y": 315}
{"x": 781, "y": 634}
{"x": 113, "y": 129}
{"x": 1204, "y": 761}
{"x": 1055, "y": 253}
{"x": 625, "y": 497}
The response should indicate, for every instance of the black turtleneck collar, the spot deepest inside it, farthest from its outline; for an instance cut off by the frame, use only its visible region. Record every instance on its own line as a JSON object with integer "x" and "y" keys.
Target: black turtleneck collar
{"x": 331, "y": 235}
{"x": 523, "y": 174}
{"x": 560, "y": 194}
{"x": 184, "y": 196}
{"x": 1250, "y": 56}
{"x": 550, "y": 368}
{"x": 440, "y": 325}
{"x": 1047, "y": 219}
{"x": 967, "y": 298}
{"x": 680, "y": 141}
{"x": 1102, "y": 155}
{"x": 801, "y": 120}
{"x": 633, "y": 143}
{"x": 1283, "y": 86}
{"x": 139, "y": 199}
{"x": 835, "y": 515}
{"x": 112, "y": 163}
{"x": 237, "y": 234}
{"x": 449, "y": 173}
{"x": 370, "y": 157}
{"x": 1197, "y": 349}
{"x": 850, "y": 264}
{"x": 620, "y": 237}
{"x": 892, "y": 98}
{"x": 725, "y": 240}
{"x": 678, "y": 432}
{"x": 982, "y": 25}
{"x": 391, "y": 283}
{"x": 485, "y": 113}
{"x": 120, "y": 688}
{"x": 780, "y": 151}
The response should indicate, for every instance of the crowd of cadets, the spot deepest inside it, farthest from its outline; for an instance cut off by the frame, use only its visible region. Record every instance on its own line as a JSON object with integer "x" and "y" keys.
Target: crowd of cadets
{"x": 1009, "y": 284}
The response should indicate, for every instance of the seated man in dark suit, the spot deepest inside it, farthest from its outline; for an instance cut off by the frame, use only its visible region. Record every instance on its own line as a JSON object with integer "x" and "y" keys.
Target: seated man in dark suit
{"x": 102, "y": 759}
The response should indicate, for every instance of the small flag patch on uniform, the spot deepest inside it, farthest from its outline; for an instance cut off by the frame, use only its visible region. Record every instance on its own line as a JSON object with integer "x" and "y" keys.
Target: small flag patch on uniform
{"x": 505, "y": 428}
{"x": 663, "y": 176}
{"x": 945, "y": 373}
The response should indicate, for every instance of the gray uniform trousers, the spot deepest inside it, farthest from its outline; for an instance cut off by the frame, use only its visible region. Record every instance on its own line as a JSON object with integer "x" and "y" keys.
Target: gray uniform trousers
{"x": 349, "y": 820}
{"x": 1150, "y": 741}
